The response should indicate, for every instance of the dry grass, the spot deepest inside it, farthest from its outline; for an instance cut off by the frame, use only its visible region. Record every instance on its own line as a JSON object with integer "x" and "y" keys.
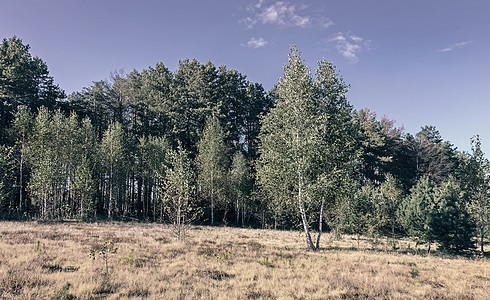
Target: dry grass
{"x": 52, "y": 261}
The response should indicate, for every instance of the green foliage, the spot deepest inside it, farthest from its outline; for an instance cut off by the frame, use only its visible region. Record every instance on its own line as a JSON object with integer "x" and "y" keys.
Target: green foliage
{"x": 24, "y": 80}
{"x": 6, "y": 168}
{"x": 450, "y": 223}
{"x": 178, "y": 191}
{"x": 113, "y": 153}
{"x": 360, "y": 215}
{"x": 391, "y": 194}
{"x": 212, "y": 164}
{"x": 240, "y": 185}
{"x": 474, "y": 173}
{"x": 417, "y": 208}
{"x": 305, "y": 137}
{"x": 435, "y": 157}
{"x": 106, "y": 152}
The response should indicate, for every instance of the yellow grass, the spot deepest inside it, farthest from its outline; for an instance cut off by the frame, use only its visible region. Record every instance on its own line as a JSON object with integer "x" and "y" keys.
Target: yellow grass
{"x": 52, "y": 261}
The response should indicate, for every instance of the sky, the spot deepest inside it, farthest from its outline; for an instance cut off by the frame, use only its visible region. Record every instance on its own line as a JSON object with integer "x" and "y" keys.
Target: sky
{"x": 419, "y": 62}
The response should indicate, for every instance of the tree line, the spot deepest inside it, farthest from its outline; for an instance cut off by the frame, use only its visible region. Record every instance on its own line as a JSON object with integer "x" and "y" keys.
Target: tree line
{"x": 203, "y": 144}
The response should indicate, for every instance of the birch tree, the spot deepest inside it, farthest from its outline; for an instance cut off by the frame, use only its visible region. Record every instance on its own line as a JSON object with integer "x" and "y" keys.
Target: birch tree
{"x": 304, "y": 137}
{"x": 240, "y": 184}
{"x": 212, "y": 163}
{"x": 112, "y": 153}
{"x": 178, "y": 189}
{"x": 479, "y": 186}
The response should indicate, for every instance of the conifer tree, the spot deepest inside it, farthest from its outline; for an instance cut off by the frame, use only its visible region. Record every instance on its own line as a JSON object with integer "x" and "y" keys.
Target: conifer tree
{"x": 416, "y": 210}
{"x": 450, "y": 223}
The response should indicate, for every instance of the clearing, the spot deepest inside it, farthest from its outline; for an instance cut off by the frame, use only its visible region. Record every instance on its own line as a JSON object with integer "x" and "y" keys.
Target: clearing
{"x": 53, "y": 261}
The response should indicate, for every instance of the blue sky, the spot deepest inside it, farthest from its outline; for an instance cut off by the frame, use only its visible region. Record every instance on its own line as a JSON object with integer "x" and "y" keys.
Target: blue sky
{"x": 418, "y": 62}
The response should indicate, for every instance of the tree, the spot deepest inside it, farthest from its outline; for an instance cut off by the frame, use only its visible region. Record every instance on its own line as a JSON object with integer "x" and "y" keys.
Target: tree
{"x": 6, "y": 180}
{"x": 392, "y": 195}
{"x": 417, "y": 209}
{"x": 24, "y": 80}
{"x": 22, "y": 128}
{"x": 153, "y": 152}
{"x": 373, "y": 145}
{"x": 178, "y": 190}
{"x": 305, "y": 137}
{"x": 478, "y": 184}
{"x": 450, "y": 223}
{"x": 360, "y": 213}
{"x": 212, "y": 162}
{"x": 240, "y": 184}
{"x": 42, "y": 159}
{"x": 85, "y": 175}
{"x": 435, "y": 157}
{"x": 112, "y": 150}
{"x": 195, "y": 99}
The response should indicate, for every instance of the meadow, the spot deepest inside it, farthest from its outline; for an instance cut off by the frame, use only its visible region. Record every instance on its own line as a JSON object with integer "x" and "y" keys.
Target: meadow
{"x": 144, "y": 261}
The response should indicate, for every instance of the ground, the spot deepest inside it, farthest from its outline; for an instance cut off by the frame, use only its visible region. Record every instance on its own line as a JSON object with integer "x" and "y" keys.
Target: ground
{"x": 54, "y": 261}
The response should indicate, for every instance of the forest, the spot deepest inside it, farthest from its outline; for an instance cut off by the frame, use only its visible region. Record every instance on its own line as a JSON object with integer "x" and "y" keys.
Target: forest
{"x": 203, "y": 145}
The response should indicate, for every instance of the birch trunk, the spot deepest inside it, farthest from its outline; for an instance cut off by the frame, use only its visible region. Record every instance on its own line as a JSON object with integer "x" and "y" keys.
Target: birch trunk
{"x": 320, "y": 225}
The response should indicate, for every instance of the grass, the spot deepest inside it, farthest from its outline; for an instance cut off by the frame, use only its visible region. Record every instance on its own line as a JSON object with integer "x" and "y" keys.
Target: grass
{"x": 52, "y": 261}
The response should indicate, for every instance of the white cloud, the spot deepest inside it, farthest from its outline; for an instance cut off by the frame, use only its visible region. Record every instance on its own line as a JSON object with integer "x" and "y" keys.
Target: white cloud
{"x": 257, "y": 43}
{"x": 455, "y": 46}
{"x": 248, "y": 22}
{"x": 349, "y": 45}
{"x": 279, "y": 13}
{"x": 327, "y": 23}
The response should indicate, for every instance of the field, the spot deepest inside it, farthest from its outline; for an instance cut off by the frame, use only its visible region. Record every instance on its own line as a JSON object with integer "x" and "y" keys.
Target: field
{"x": 54, "y": 261}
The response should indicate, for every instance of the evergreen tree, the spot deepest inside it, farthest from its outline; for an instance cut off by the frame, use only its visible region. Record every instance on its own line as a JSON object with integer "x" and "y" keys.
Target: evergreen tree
{"x": 435, "y": 157}
{"x": 450, "y": 223}
{"x": 24, "y": 80}
{"x": 195, "y": 98}
{"x": 417, "y": 210}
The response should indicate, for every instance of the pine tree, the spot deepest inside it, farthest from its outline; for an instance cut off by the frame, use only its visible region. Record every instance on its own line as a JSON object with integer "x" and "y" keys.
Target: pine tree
{"x": 450, "y": 223}
{"x": 417, "y": 210}
{"x": 24, "y": 80}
